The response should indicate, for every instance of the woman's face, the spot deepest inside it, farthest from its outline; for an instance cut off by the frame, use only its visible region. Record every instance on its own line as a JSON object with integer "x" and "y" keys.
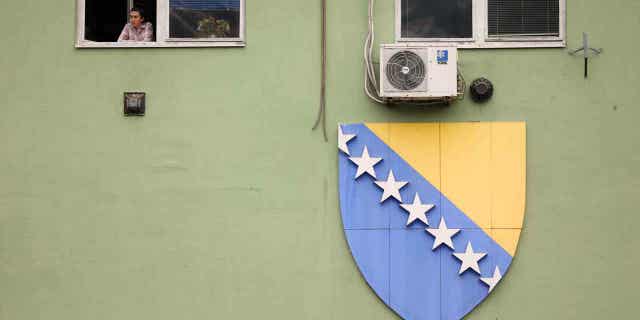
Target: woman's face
{"x": 135, "y": 19}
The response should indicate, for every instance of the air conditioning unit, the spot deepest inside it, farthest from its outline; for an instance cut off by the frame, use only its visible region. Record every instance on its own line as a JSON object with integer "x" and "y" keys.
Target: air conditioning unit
{"x": 413, "y": 72}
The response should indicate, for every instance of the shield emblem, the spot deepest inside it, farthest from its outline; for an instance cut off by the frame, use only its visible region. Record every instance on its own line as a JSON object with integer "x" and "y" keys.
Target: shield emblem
{"x": 432, "y": 212}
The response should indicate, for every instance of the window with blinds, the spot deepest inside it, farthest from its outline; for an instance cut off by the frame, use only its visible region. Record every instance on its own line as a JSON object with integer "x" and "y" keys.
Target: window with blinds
{"x": 508, "y": 18}
{"x": 483, "y": 23}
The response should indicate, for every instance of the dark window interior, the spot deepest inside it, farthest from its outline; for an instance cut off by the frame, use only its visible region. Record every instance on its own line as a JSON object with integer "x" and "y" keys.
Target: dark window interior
{"x": 104, "y": 20}
{"x": 437, "y": 19}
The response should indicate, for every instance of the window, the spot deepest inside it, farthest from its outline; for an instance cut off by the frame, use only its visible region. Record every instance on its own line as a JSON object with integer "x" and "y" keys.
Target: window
{"x": 482, "y": 23}
{"x": 194, "y": 19}
{"x": 164, "y": 23}
{"x": 437, "y": 19}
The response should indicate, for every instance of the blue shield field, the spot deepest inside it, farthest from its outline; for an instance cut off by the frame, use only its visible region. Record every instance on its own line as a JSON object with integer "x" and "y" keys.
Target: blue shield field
{"x": 432, "y": 212}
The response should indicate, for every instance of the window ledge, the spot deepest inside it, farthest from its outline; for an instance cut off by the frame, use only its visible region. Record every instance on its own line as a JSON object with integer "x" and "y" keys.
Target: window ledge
{"x": 172, "y": 44}
{"x": 494, "y": 44}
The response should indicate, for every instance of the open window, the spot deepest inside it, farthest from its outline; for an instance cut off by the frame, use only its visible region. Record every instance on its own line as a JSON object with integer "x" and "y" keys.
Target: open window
{"x": 482, "y": 23}
{"x": 166, "y": 23}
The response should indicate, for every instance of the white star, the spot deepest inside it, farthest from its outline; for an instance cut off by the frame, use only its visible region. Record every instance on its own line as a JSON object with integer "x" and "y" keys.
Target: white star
{"x": 365, "y": 163}
{"x": 469, "y": 259}
{"x": 391, "y": 187}
{"x": 343, "y": 139}
{"x": 443, "y": 235}
{"x": 491, "y": 282}
{"x": 417, "y": 210}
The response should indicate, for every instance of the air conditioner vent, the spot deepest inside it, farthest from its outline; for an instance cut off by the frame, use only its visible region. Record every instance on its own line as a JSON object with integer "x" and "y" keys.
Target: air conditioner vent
{"x": 405, "y": 70}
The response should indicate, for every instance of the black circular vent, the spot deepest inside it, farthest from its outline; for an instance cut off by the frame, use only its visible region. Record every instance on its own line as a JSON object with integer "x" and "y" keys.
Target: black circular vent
{"x": 481, "y": 90}
{"x": 405, "y": 70}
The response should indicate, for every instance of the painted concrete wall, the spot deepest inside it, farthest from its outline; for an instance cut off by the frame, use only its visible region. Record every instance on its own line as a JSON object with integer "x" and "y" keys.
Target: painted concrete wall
{"x": 222, "y": 203}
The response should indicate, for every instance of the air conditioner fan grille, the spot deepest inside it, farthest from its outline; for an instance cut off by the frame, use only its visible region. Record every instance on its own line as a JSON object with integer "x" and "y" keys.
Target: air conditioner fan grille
{"x": 405, "y": 70}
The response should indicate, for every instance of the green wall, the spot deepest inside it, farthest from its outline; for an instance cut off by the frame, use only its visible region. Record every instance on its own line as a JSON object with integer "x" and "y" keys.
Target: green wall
{"x": 221, "y": 203}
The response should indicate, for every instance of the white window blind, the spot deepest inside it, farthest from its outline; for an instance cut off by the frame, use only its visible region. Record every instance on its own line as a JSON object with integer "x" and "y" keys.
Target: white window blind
{"x": 523, "y": 18}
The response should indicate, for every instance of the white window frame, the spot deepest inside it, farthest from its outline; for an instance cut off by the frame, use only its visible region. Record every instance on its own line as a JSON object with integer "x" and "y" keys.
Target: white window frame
{"x": 162, "y": 32}
{"x": 481, "y": 37}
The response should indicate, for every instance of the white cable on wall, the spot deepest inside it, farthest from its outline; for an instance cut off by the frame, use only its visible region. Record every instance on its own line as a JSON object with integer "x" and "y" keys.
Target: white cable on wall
{"x": 370, "y": 82}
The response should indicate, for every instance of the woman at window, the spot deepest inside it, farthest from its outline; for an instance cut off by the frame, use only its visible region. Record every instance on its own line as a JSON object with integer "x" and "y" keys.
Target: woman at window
{"x": 137, "y": 29}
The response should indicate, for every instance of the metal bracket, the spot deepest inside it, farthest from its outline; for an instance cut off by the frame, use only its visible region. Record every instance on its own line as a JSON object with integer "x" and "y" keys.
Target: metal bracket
{"x": 587, "y": 52}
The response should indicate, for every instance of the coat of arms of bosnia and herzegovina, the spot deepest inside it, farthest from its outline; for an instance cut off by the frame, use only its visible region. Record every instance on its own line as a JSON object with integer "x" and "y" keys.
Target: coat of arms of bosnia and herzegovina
{"x": 432, "y": 212}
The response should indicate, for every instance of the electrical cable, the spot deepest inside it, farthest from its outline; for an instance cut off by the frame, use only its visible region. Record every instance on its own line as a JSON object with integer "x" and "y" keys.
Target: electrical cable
{"x": 322, "y": 112}
{"x": 370, "y": 82}
{"x": 462, "y": 84}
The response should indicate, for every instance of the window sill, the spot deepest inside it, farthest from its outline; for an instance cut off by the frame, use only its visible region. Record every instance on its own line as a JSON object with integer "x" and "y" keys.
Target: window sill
{"x": 489, "y": 44}
{"x": 158, "y": 44}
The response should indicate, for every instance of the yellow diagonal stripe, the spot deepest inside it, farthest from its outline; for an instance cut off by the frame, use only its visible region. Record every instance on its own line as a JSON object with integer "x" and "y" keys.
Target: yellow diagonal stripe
{"x": 479, "y": 166}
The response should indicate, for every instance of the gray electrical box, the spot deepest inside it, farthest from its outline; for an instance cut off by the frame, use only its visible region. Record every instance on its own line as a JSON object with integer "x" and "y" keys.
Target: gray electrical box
{"x": 134, "y": 103}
